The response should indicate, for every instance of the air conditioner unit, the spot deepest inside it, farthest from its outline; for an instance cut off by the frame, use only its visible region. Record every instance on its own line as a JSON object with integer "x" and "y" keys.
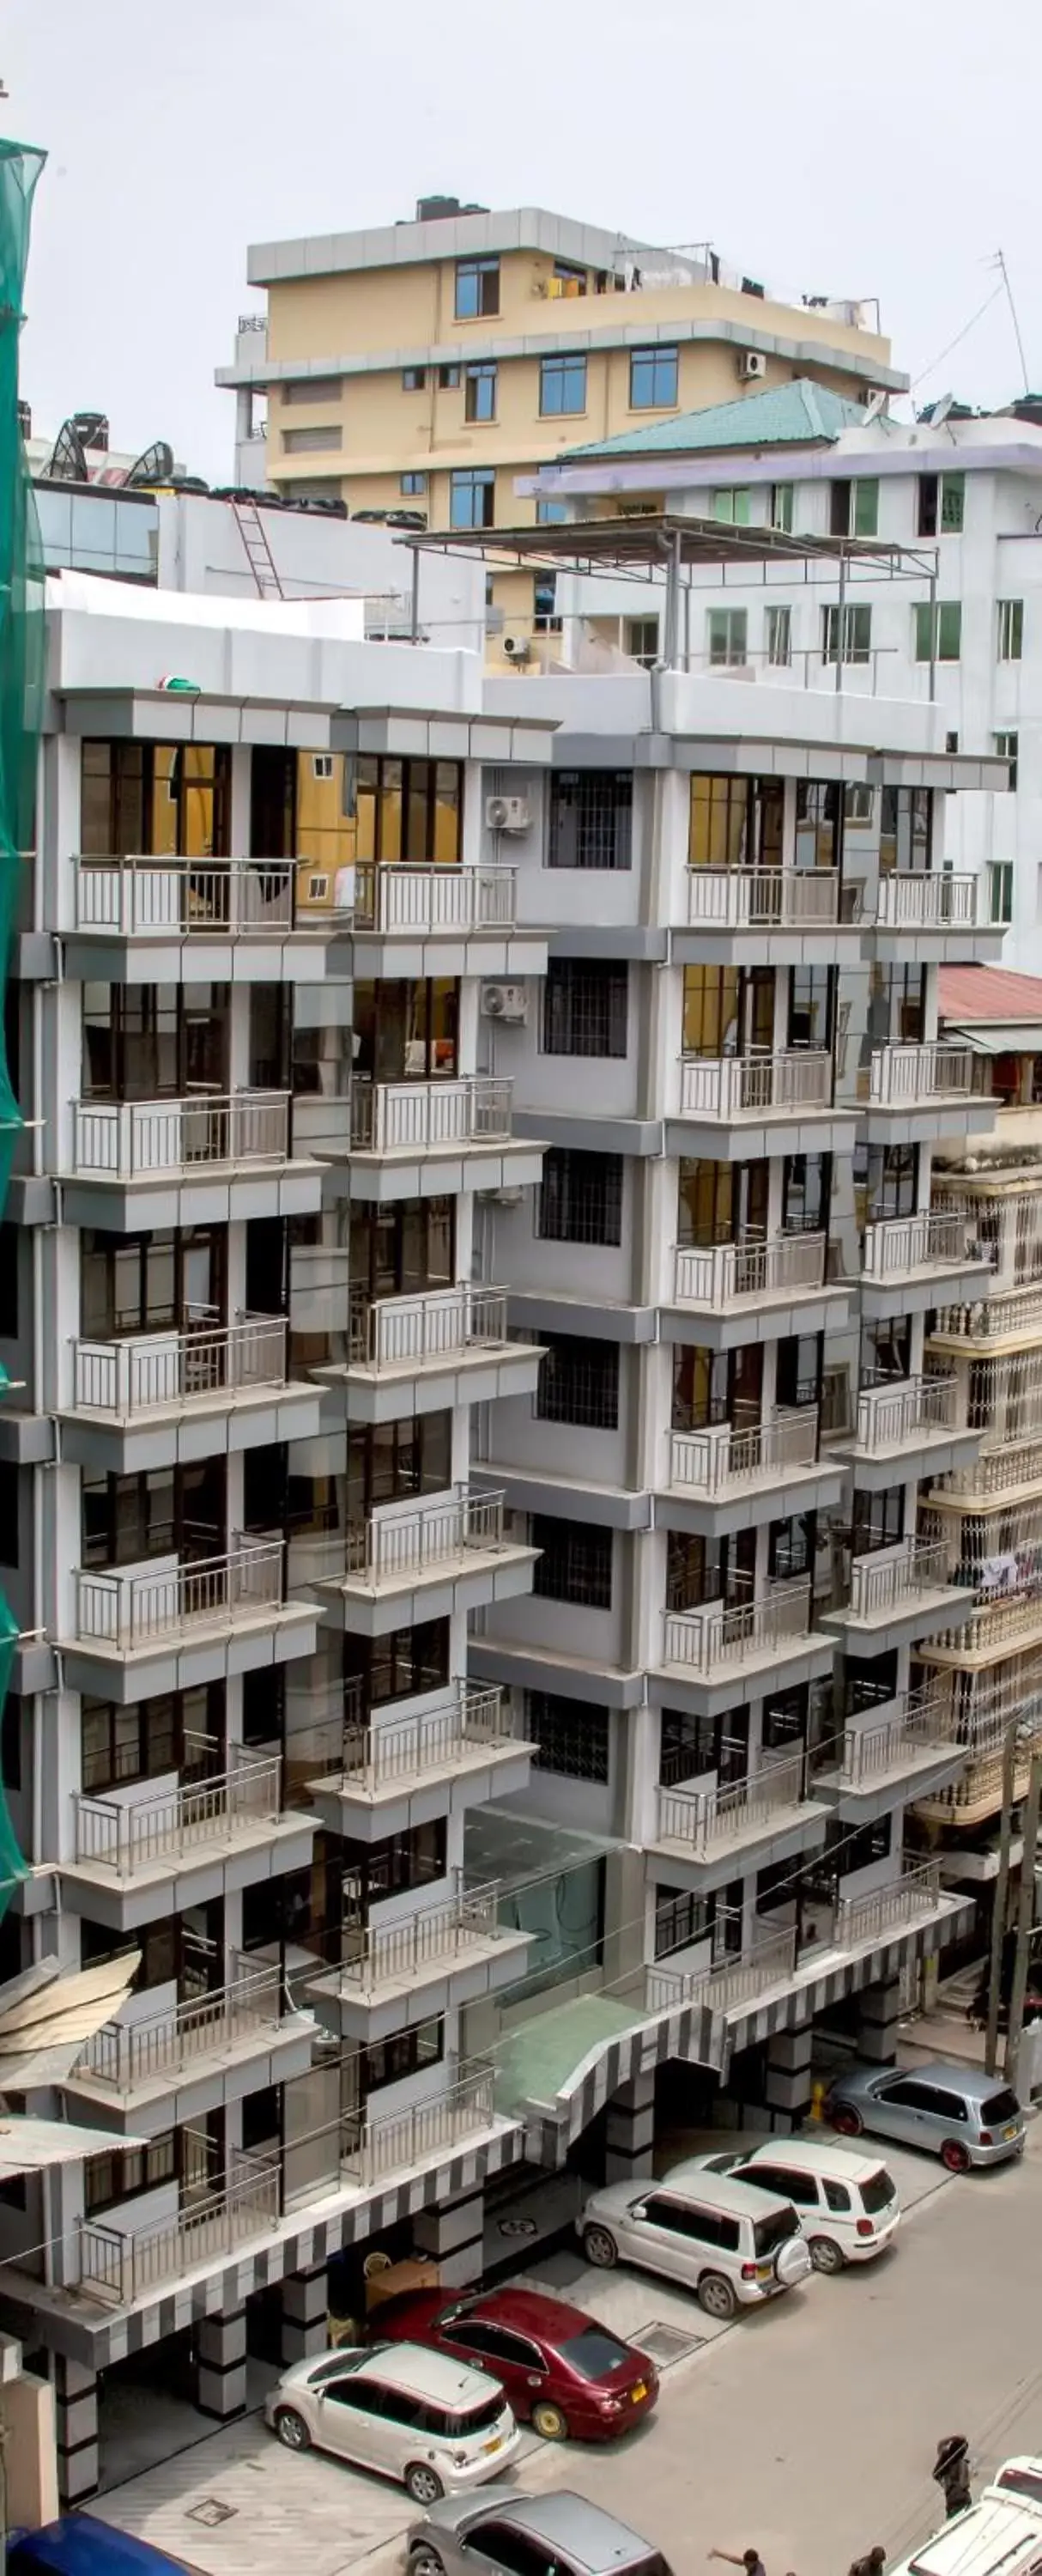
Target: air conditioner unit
{"x": 517, "y": 648}
{"x": 504, "y": 1002}
{"x": 507, "y": 813}
{"x": 752, "y": 366}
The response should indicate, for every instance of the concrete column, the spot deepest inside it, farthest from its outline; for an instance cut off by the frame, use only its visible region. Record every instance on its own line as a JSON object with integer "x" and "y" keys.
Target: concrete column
{"x": 631, "y": 2129}
{"x": 305, "y": 2314}
{"x": 788, "y": 2088}
{"x": 221, "y": 2360}
{"x": 76, "y": 2431}
{"x": 879, "y": 2013}
{"x": 451, "y": 2236}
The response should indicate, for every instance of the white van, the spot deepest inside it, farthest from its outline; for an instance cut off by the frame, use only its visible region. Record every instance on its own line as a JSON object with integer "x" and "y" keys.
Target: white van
{"x": 999, "y": 2536}
{"x": 847, "y": 2205}
{"x": 436, "y": 2425}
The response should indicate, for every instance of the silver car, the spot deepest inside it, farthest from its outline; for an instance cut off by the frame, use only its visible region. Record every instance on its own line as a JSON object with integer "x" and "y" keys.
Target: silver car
{"x": 955, "y": 2112}
{"x": 729, "y": 2242}
{"x": 549, "y": 2535}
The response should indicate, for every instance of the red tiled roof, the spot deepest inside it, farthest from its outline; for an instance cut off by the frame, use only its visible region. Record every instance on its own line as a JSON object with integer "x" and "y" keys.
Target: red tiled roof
{"x": 970, "y": 993}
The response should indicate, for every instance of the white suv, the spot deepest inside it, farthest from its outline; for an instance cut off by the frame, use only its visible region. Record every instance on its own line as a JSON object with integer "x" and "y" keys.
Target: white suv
{"x": 731, "y": 2243}
{"x": 847, "y": 2204}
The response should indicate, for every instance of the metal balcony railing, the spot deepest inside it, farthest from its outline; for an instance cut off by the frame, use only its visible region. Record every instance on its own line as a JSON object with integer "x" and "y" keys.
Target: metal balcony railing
{"x": 768, "y": 1961}
{"x": 705, "y": 1818}
{"x": 153, "y": 1371}
{"x": 733, "y": 1631}
{"x": 901, "y": 1411}
{"x": 395, "y": 1544}
{"x": 722, "y": 1461}
{"x": 404, "y": 2139}
{"x": 130, "y": 1610}
{"x": 750, "y": 1086}
{"x": 127, "y": 1836}
{"x": 883, "y": 1910}
{"x": 923, "y": 1720}
{"x": 476, "y": 1721}
{"x": 933, "y": 1239}
{"x": 927, "y": 902}
{"x": 434, "y": 1325}
{"x": 995, "y": 1624}
{"x": 212, "y": 898}
{"x": 720, "y": 1274}
{"x": 910, "y": 1077}
{"x": 127, "y": 2054}
{"x": 129, "y": 1140}
{"x": 395, "y": 1952}
{"x": 1000, "y": 1471}
{"x": 1019, "y": 1310}
{"x": 424, "y": 901}
{"x": 891, "y": 1578}
{"x": 118, "y": 2269}
{"x": 763, "y": 898}
{"x": 425, "y": 1117}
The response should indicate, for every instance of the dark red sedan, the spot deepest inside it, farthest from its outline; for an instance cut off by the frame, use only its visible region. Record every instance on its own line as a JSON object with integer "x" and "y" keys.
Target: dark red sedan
{"x": 562, "y": 2372}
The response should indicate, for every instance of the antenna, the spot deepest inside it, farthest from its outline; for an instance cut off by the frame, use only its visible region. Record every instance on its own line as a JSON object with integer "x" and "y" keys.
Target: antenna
{"x": 936, "y": 413}
{"x": 1000, "y": 263}
{"x": 876, "y": 408}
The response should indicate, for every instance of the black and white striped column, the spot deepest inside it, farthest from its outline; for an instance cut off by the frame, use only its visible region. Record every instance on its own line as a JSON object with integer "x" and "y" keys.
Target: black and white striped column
{"x": 452, "y": 2236}
{"x": 221, "y": 2359}
{"x": 879, "y": 2015}
{"x": 305, "y": 2314}
{"x": 76, "y": 2430}
{"x": 788, "y": 2085}
{"x": 630, "y": 2131}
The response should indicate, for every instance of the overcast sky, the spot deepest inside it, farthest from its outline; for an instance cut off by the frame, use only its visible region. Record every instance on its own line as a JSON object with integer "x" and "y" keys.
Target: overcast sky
{"x": 841, "y": 147}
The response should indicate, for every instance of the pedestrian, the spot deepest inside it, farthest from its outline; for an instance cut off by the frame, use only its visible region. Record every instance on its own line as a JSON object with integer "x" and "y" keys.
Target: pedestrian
{"x": 750, "y": 2559}
{"x": 872, "y": 2564}
{"x": 951, "y": 2470}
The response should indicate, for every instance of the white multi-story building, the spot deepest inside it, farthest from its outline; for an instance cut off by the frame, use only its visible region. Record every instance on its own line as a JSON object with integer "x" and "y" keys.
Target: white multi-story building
{"x": 957, "y": 621}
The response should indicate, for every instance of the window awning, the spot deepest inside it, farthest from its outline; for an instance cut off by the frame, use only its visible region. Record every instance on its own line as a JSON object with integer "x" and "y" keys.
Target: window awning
{"x": 1009, "y": 1037}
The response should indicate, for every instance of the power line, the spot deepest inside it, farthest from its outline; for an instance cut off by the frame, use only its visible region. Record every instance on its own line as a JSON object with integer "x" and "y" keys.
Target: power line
{"x": 967, "y": 327}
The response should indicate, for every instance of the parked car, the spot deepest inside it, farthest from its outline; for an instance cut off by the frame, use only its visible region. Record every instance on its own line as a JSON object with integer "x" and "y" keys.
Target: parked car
{"x": 549, "y": 2535}
{"x": 407, "y": 2413}
{"x": 732, "y": 2244}
{"x": 847, "y": 2205}
{"x": 955, "y": 2112}
{"x": 562, "y": 2372}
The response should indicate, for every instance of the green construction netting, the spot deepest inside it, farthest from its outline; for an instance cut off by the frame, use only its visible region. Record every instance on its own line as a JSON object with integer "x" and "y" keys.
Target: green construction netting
{"x": 21, "y": 693}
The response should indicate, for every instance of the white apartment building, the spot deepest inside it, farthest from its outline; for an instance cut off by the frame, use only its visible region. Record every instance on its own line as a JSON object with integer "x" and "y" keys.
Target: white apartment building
{"x": 961, "y": 496}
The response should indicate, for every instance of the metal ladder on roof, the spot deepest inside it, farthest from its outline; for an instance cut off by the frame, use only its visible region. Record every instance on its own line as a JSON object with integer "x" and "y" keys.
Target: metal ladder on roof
{"x": 258, "y": 552}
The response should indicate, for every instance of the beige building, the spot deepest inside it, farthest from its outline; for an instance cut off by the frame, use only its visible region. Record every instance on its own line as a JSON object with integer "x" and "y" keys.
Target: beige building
{"x": 425, "y": 365}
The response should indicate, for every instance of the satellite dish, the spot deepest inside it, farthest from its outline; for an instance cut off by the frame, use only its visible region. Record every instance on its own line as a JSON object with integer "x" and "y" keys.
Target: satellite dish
{"x": 876, "y": 407}
{"x": 155, "y": 465}
{"x": 67, "y": 462}
{"x": 938, "y": 411}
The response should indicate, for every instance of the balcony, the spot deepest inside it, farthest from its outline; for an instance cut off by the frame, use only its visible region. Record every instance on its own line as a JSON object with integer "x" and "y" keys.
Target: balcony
{"x": 133, "y": 1837}
{"x": 793, "y": 1085}
{"x": 207, "y": 2234}
{"x": 737, "y": 908}
{"x": 458, "y": 1942}
{"x": 457, "y": 1335}
{"x": 931, "y": 903}
{"x": 206, "y": 1368}
{"x": 412, "y": 1120}
{"x": 164, "y": 899}
{"x": 1016, "y": 1467}
{"x": 977, "y": 1793}
{"x": 144, "y": 1140}
{"x": 209, "y": 2033}
{"x": 719, "y": 1825}
{"x": 403, "y": 2140}
{"x": 880, "y": 1755}
{"x": 905, "y": 1588}
{"x": 724, "y": 1464}
{"x": 930, "y": 1087}
{"x": 905, "y": 1418}
{"x": 882, "y": 1913}
{"x": 931, "y": 1251}
{"x": 984, "y": 1320}
{"x": 993, "y": 1630}
{"x": 734, "y": 1984}
{"x": 124, "y": 1613}
{"x": 378, "y": 1764}
{"x": 399, "y": 901}
{"x": 460, "y": 1540}
{"x": 727, "y": 1274}
{"x": 724, "y": 1641}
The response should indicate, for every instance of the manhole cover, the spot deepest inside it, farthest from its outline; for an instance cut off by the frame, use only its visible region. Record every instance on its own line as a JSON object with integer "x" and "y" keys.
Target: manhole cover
{"x": 665, "y": 2343}
{"x": 211, "y": 2511}
{"x": 517, "y": 2226}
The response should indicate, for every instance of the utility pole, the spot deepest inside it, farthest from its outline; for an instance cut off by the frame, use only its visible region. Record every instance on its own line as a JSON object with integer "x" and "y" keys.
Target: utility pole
{"x": 998, "y": 1915}
{"x": 1025, "y": 1919}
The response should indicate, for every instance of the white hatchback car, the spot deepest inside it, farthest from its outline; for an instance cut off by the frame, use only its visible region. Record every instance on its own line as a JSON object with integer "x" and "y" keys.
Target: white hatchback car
{"x": 434, "y": 2424}
{"x": 732, "y": 2244}
{"x": 847, "y": 2205}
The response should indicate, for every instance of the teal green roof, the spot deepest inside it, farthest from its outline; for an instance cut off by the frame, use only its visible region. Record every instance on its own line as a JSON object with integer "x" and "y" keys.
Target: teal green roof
{"x": 538, "y": 2058}
{"x": 795, "y": 415}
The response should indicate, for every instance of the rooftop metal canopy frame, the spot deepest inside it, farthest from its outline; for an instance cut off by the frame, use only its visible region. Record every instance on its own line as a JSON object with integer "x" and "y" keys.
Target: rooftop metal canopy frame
{"x": 638, "y": 549}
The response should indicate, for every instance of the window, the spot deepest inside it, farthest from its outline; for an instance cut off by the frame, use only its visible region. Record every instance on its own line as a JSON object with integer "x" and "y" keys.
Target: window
{"x": 782, "y": 497}
{"x": 641, "y": 640}
{"x": 480, "y": 391}
{"x": 653, "y": 379}
{"x": 550, "y": 514}
{"x": 779, "y": 637}
{"x": 1007, "y": 747}
{"x": 545, "y": 620}
{"x": 735, "y": 822}
{"x": 1000, "y": 892}
{"x": 951, "y": 742}
{"x": 140, "y": 1742}
{"x": 413, "y": 380}
{"x": 115, "y": 2176}
{"x": 406, "y": 809}
{"x": 946, "y": 632}
{"x": 906, "y": 828}
{"x": 313, "y": 389}
{"x": 731, "y": 505}
{"x": 860, "y": 1849}
{"x": 389, "y": 2061}
{"x": 571, "y": 1736}
{"x": 837, "y": 2197}
{"x": 941, "y": 504}
{"x": 856, "y": 629}
{"x": 477, "y": 288}
{"x": 878, "y": 1520}
{"x": 309, "y": 442}
{"x": 584, "y": 1007}
{"x": 8, "y": 1512}
{"x": 854, "y": 508}
{"x": 680, "y": 1919}
{"x": 1011, "y": 630}
{"x": 579, "y": 1382}
{"x": 580, "y": 1197}
{"x": 472, "y": 496}
{"x": 886, "y": 1182}
{"x": 562, "y": 385}
{"x": 411, "y": 485}
{"x": 398, "y": 1864}
{"x": 575, "y": 1562}
{"x": 591, "y": 817}
{"x": 378, "y": 1670}
{"x": 449, "y": 379}
{"x": 728, "y": 630}
{"x": 859, "y": 806}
